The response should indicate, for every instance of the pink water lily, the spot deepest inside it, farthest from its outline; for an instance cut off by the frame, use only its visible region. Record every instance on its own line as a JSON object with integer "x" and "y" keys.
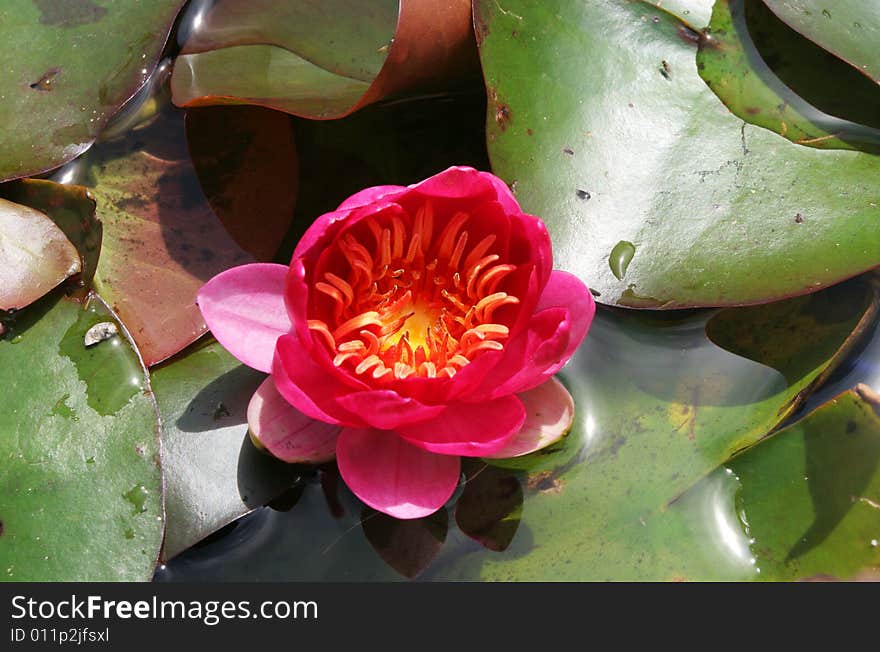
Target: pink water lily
{"x": 414, "y": 325}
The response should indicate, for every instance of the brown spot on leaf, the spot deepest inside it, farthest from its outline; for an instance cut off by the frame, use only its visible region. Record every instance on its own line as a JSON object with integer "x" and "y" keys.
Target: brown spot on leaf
{"x": 546, "y": 483}
{"x": 529, "y": 132}
{"x": 69, "y": 13}
{"x": 753, "y": 110}
{"x": 1, "y": 528}
{"x": 688, "y": 35}
{"x": 44, "y": 83}
{"x": 502, "y": 116}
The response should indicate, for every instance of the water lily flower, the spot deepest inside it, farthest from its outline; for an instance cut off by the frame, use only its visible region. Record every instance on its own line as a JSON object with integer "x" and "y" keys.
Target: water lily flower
{"x": 414, "y": 325}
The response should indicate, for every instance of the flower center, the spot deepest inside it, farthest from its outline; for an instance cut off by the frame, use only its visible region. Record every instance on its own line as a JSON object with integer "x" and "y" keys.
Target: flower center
{"x": 400, "y": 302}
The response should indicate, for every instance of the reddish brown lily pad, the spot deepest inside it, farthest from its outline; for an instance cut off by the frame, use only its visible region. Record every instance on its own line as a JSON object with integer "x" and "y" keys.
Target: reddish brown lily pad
{"x": 161, "y": 239}
{"x": 35, "y": 255}
{"x": 323, "y": 60}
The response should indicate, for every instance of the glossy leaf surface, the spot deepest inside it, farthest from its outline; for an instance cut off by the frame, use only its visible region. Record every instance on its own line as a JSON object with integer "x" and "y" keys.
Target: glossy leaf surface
{"x": 81, "y": 488}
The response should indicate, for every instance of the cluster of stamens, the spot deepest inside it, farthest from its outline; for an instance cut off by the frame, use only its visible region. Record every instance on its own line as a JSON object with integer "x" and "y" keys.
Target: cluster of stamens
{"x": 412, "y": 304}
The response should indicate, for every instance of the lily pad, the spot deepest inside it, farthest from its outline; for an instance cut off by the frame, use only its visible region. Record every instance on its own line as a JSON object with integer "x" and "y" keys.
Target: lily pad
{"x": 631, "y": 146}
{"x": 35, "y": 255}
{"x": 320, "y": 60}
{"x": 81, "y": 488}
{"x": 162, "y": 241}
{"x": 84, "y": 60}
{"x": 848, "y": 28}
{"x": 810, "y": 495}
{"x": 72, "y": 209}
{"x": 731, "y": 65}
{"x": 213, "y": 474}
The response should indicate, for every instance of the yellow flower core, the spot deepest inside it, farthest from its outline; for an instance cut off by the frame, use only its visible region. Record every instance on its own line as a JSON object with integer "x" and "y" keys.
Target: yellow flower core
{"x": 405, "y": 303}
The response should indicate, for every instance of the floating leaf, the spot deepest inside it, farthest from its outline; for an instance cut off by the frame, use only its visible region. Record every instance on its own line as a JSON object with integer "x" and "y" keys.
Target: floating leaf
{"x": 81, "y": 488}
{"x": 35, "y": 255}
{"x": 321, "y": 60}
{"x": 630, "y": 145}
{"x": 161, "y": 239}
{"x": 731, "y": 65}
{"x": 72, "y": 209}
{"x": 84, "y": 60}
{"x": 213, "y": 474}
{"x": 848, "y": 28}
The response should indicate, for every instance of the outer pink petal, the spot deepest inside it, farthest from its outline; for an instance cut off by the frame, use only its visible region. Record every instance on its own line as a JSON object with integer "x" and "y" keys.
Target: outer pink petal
{"x": 244, "y": 308}
{"x": 505, "y": 196}
{"x": 286, "y": 432}
{"x": 386, "y": 409}
{"x": 567, "y": 291}
{"x": 565, "y": 312}
{"x": 549, "y": 415}
{"x": 469, "y": 429}
{"x": 457, "y": 182}
{"x": 369, "y": 195}
{"x": 307, "y": 386}
{"x": 394, "y": 477}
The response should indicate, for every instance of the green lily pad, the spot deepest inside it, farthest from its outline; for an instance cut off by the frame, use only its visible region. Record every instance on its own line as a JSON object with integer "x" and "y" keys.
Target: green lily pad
{"x": 731, "y": 65}
{"x": 810, "y": 495}
{"x": 695, "y": 13}
{"x": 84, "y": 60}
{"x": 814, "y": 74}
{"x": 320, "y": 60}
{"x": 81, "y": 488}
{"x": 848, "y": 28}
{"x": 630, "y": 146}
{"x": 213, "y": 474}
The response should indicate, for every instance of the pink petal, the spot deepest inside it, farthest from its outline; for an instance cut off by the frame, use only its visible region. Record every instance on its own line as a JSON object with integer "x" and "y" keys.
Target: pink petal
{"x": 457, "y": 182}
{"x": 505, "y": 196}
{"x": 244, "y": 308}
{"x": 469, "y": 429}
{"x": 308, "y": 386}
{"x": 386, "y": 409}
{"x": 567, "y": 291}
{"x": 286, "y": 432}
{"x": 368, "y": 196}
{"x": 394, "y": 477}
{"x": 565, "y": 312}
{"x": 549, "y": 415}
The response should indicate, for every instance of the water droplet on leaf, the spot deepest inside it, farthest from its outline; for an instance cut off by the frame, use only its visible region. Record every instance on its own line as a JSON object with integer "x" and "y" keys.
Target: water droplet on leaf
{"x": 620, "y": 258}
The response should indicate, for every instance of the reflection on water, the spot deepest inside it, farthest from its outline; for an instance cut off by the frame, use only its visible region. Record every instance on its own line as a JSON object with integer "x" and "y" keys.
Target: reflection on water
{"x": 715, "y": 520}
